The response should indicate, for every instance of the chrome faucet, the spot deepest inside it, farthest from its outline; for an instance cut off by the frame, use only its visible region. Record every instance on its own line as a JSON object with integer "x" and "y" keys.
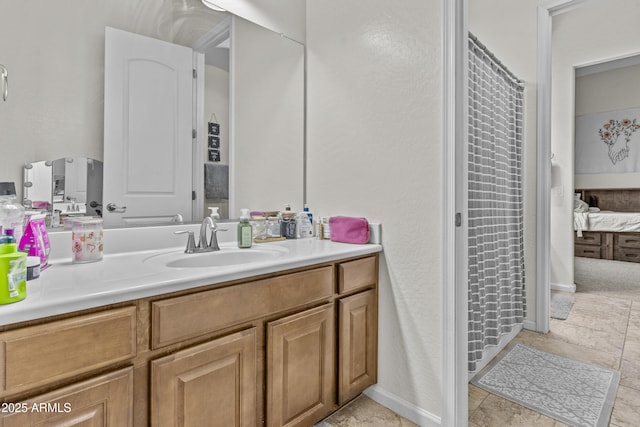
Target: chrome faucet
{"x": 212, "y": 244}
{"x": 204, "y": 244}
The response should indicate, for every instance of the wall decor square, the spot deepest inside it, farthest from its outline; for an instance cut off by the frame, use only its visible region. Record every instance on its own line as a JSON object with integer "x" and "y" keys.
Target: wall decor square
{"x": 214, "y": 155}
{"x": 608, "y": 142}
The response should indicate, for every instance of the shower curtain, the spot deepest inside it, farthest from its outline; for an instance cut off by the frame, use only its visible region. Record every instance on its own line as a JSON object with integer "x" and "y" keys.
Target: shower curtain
{"x": 497, "y": 300}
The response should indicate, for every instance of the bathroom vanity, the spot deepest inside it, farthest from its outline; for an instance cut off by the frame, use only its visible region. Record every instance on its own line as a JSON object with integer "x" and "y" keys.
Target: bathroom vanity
{"x": 275, "y": 343}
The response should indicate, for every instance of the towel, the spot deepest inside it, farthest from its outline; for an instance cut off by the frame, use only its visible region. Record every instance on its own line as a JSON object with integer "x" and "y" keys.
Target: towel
{"x": 580, "y": 222}
{"x": 216, "y": 181}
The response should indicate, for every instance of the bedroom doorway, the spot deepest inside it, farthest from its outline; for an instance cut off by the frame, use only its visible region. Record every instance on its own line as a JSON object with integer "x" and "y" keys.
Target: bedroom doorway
{"x": 598, "y": 328}
{"x": 607, "y": 168}
{"x": 606, "y": 46}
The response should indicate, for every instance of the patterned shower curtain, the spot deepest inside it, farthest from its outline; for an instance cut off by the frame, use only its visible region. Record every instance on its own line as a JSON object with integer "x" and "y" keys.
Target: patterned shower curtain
{"x": 497, "y": 300}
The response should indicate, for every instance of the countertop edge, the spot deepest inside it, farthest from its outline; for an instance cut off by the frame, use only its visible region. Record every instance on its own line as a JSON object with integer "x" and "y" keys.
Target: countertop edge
{"x": 152, "y": 286}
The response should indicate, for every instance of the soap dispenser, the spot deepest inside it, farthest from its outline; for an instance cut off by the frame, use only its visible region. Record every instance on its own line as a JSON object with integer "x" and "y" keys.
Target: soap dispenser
{"x": 213, "y": 213}
{"x": 245, "y": 230}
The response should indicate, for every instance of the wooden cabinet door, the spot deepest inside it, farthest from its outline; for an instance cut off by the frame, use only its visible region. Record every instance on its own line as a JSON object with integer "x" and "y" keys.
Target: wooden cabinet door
{"x": 358, "y": 346}
{"x": 301, "y": 368}
{"x": 211, "y": 384}
{"x": 103, "y": 401}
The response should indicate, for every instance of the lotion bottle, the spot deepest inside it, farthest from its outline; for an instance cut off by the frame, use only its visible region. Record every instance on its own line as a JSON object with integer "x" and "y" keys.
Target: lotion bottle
{"x": 245, "y": 230}
{"x": 305, "y": 229}
{"x": 310, "y": 215}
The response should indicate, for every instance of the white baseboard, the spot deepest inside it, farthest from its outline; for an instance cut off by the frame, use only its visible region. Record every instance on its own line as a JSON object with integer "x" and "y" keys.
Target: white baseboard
{"x": 530, "y": 325}
{"x": 402, "y": 407}
{"x": 561, "y": 287}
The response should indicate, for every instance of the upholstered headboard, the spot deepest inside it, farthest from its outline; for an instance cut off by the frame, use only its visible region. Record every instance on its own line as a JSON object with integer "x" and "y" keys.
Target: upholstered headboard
{"x": 619, "y": 200}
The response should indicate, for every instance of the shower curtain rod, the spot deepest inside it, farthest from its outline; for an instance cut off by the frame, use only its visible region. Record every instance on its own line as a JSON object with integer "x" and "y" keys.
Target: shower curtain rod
{"x": 495, "y": 60}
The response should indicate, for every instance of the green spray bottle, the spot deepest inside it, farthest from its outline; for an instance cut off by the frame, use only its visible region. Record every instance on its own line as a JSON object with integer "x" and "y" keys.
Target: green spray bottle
{"x": 13, "y": 271}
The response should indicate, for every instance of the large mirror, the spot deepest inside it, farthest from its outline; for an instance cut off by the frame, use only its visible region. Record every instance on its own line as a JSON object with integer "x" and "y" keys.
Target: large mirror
{"x": 55, "y": 52}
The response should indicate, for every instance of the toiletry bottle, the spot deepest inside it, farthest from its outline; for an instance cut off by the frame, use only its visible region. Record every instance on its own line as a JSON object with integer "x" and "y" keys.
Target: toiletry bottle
{"x": 305, "y": 229}
{"x": 9, "y": 236}
{"x": 289, "y": 226}
{"x": 310, "y": 215}
{"x": 319, "y": 232}
{"x": 11, "y": 215}
{"x": 326, "y": 229}
{"x": 308, "y": 212}
{"x": 13, "y": 271}
{"x": 245, "y": 231}
{"x": 55, "y": 219}
{"x": 259, "y": 224}
{"x": 273, "y": 227}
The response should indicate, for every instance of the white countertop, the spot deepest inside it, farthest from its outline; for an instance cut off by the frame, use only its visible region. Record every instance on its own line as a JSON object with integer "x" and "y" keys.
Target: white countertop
{"x": 65, "y": 287}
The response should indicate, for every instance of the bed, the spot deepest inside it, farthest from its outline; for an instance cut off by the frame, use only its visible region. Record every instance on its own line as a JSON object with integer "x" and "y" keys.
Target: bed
{"x": 611, "y": 227}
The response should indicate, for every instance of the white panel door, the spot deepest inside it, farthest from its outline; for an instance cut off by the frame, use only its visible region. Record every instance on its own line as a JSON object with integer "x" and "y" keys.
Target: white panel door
{"x": 147, "y": 129}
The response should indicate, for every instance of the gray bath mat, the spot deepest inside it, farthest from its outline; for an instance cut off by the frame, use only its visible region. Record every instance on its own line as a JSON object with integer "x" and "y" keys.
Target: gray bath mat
{"x": 576, "y": 393}
{"x": 561, "y": 305}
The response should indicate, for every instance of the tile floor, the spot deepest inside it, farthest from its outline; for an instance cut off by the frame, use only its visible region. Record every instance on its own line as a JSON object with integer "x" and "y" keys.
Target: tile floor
{"x": 601, "y": 330}
{"x": 364, "y": 412}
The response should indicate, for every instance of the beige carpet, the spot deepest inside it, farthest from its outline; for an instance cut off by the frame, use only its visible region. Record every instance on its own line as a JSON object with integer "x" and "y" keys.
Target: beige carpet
{"x": 609, "y": 278}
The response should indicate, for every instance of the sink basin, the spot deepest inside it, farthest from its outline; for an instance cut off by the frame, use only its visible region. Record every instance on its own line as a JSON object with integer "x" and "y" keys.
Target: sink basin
{"x": 222, "y": 258}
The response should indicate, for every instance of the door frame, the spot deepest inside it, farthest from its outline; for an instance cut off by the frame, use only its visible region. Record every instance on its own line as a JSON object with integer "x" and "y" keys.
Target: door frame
{"x": 220, "y": 32}
{"x": 455, "y": 356}
{"x": 543, "y": 157}
{"x": 455, "y": 370}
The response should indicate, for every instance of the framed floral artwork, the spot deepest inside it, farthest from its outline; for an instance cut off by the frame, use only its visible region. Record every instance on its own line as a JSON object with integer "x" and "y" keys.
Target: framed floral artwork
{"x": 608, "y": 142}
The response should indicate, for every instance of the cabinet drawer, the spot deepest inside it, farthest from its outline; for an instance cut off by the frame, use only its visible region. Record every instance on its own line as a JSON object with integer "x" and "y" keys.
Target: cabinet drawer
{"x": 627, "y": 254}
{"x": 588, "y": 251}
{"x": 357, "y": 274}
{"x": 106, "y": 400}
{"x": 588, "y": 238}
{"x": 628, "y": 240}
{"x": 41, "y": 354}
{"x": 181, "y": 318}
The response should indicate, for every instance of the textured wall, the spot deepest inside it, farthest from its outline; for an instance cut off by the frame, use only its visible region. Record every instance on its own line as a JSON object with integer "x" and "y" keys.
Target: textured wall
{"x": 375, "y": 149}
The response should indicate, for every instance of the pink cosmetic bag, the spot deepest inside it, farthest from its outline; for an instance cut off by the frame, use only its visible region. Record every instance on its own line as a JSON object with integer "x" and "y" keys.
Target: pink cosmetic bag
{"x": 349, "y": 229}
